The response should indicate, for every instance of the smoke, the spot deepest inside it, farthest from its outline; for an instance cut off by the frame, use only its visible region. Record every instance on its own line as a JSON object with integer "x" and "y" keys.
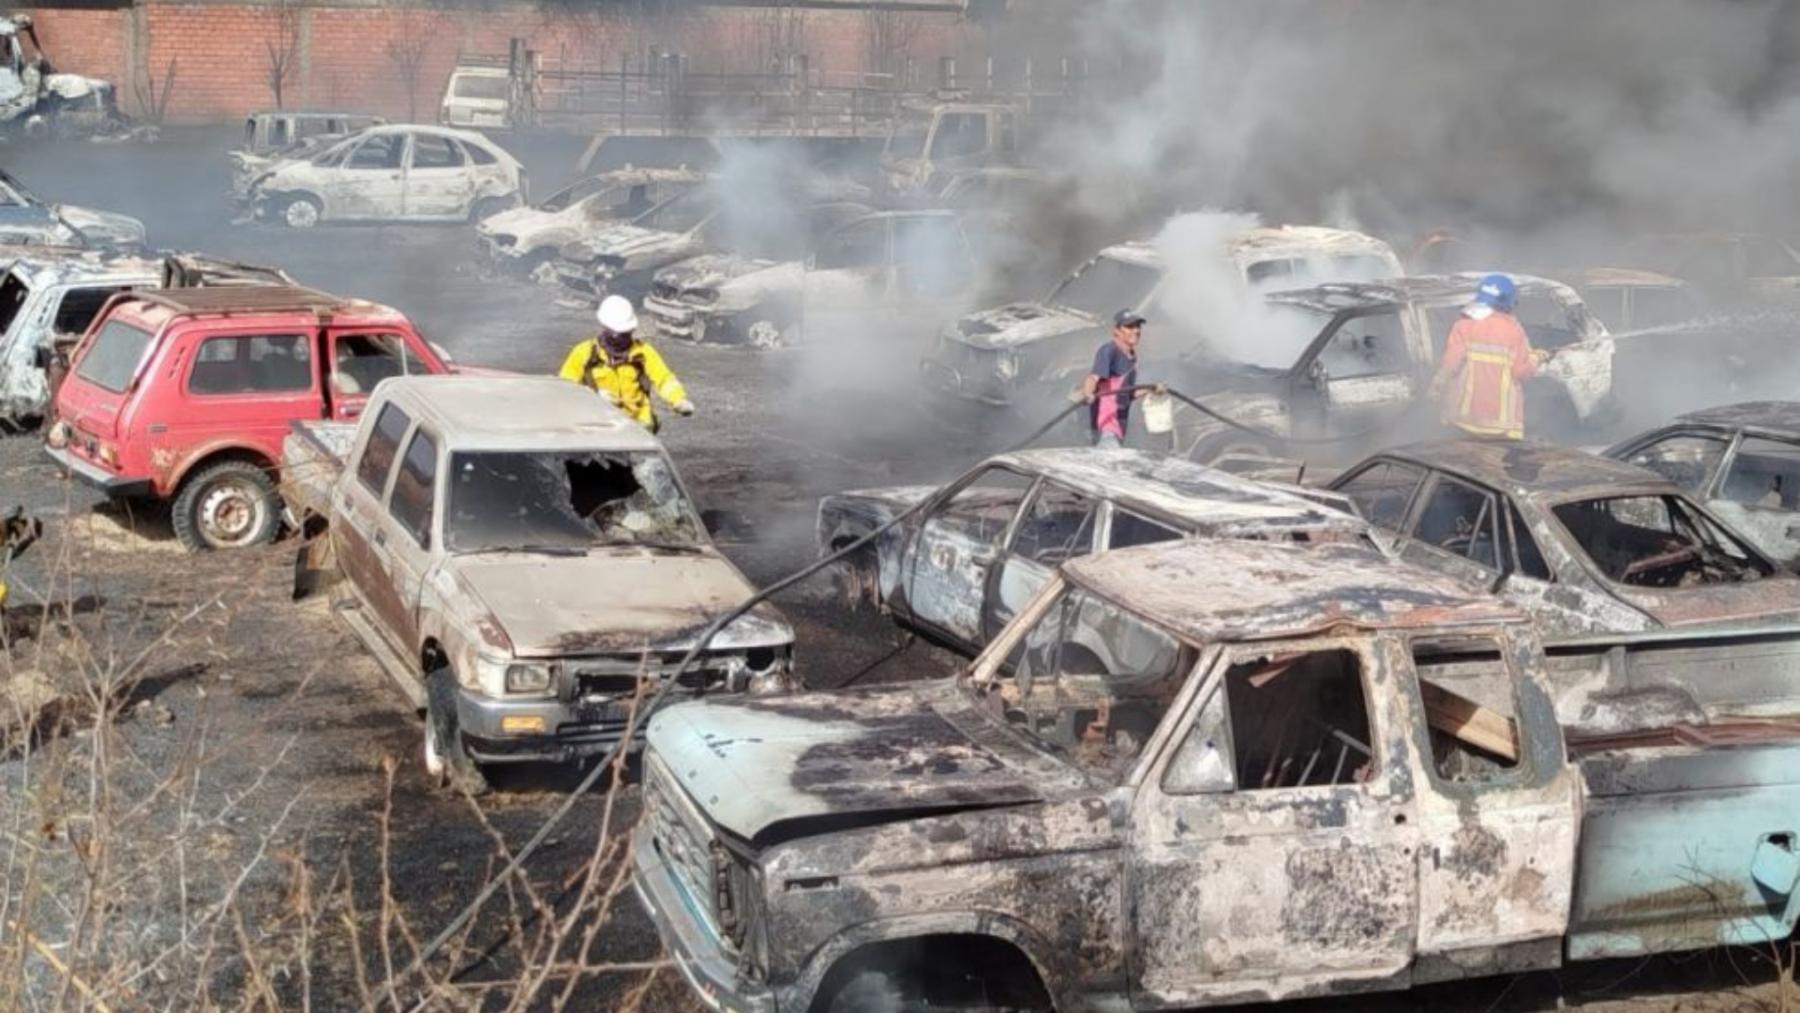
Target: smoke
{"x": 1537, "y": 118}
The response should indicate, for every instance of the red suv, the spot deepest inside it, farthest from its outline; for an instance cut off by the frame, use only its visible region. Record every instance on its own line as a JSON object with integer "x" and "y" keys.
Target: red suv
{"x": 186, "y": 394}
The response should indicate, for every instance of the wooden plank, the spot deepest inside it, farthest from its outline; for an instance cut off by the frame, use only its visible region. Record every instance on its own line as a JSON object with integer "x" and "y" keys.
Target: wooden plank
{"x": 1469, "y": 722}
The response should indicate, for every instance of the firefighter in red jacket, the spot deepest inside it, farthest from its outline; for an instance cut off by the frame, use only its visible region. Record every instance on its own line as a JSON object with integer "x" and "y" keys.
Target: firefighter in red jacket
{"x": 1488, "y": 357}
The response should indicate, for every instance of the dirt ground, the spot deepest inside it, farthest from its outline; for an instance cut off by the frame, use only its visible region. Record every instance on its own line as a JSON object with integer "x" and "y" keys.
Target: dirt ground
{"x": 302, "y": 721}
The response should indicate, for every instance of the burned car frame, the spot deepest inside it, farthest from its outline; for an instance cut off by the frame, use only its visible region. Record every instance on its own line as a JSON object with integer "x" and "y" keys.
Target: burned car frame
{"x": 1583, "y": 543}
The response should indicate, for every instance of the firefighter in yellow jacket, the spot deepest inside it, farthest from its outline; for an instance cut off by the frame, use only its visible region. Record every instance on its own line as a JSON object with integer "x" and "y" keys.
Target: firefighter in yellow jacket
{"x": 623, "y": 368}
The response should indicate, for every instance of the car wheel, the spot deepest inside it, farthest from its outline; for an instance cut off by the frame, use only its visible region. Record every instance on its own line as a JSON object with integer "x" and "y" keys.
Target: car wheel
{"x": 301, "y": 212}
{"x": 766, "y": 334}
{"x": 447, "y": 760}
{"x": 228, "y": 505}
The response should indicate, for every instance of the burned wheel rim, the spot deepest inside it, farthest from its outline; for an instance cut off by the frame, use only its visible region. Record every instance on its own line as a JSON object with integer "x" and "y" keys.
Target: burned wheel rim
{"x": 232, "y": 513}
{"x": 434, "y": 758}
{"x": 300, "y": 213}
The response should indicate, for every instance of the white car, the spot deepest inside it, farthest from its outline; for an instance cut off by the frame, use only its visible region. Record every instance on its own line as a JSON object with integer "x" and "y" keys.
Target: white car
{"x": 525, "y": 237}
{"x": 477, "y": 96}
{"x": 397, "y": 172}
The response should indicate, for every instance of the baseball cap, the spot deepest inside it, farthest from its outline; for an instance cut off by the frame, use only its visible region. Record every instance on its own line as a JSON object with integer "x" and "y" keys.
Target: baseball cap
{"x": 1127, "y": 318}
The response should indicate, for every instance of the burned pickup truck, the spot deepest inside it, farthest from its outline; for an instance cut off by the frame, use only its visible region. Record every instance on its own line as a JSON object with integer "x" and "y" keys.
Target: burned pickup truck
{"x": 960, "y": 570}
{"x": 1583, "y": 543}
{"x": 1346, "y": 774}
{"x": 523, "y": 561}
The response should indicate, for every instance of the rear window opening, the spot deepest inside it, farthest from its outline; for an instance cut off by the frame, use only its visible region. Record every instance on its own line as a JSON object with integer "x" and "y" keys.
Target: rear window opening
{"x": 1299, "y": 721}
{"x": 112, "y": 358}
{"x": 1659, "y": 541}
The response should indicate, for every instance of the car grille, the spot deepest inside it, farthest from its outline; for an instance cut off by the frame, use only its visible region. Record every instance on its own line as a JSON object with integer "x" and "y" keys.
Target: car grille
{"x": 665, "y": 291}
{"x": 684, "y": 841}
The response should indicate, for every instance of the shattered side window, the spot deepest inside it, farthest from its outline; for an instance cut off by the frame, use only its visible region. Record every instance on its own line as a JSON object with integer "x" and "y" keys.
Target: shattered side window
{"x": 360, "y": 361}
{"x": 382, "y": 446}
{"x": 1128, "y": 529}
{"x": 1467, "y": 689}
{"x": 1765, "y": 474}
{"x": 1463, "y": 520}
{"x": 982, "y": 509}
{"x": 1299, "y": 720}
{"x": 1547, "y": 322}
{"x": 1383, "y": 491}
{"x": 1056, "y": 527}
{"x": 381, "y": 151}
{"x": 1206, "y": 763}
{"x": 1658, "y": 541}
{"x": 1094, "y": 681}
{"x": 1530, "y": 559}
{"x": 549, "y": 501}
{"x": 429, "y": 151}
{"x": 1373, "y": 344}
{"x": 1687, "y": 460}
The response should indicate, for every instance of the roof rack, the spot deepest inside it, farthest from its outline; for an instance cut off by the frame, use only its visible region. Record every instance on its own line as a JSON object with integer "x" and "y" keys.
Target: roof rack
{"x": 222, "y": 299}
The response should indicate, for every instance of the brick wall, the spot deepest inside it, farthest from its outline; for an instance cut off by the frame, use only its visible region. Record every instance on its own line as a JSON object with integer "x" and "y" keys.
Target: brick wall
{"x": 353, "y": 56}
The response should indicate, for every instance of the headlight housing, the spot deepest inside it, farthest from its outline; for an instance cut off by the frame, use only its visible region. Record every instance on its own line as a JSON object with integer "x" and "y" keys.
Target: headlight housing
{"x": 527, "y": 678}
{"x": 511, "y": 677}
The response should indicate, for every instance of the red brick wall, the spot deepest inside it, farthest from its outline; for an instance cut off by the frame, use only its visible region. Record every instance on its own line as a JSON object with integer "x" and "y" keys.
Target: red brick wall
{"x": 348, "y": 58}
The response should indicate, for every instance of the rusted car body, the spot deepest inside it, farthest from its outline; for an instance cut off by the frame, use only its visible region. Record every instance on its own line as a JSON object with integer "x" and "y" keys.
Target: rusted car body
{"x": 1344, "y": 774}
{"x": 1741, "y": 460}
{"x": 1584, "y": 543}
{"x": 519, "y": 555}
{"x": 960, "y": 570}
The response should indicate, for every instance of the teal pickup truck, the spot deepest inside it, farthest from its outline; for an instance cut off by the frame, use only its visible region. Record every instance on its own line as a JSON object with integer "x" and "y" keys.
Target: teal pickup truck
{"x": 1212, "y": 773}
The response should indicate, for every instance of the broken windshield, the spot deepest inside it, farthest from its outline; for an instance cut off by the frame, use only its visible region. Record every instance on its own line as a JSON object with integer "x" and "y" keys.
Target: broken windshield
{"x": 1658, "y": 541}
{"x": 908, "y": 138}
{"x": 1092, "y": 681}
{"x": 501, "y": 500}
{"x": 1106, "y": 286}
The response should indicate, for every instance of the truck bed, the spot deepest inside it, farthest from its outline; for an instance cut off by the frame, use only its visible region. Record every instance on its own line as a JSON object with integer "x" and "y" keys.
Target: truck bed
{"x": 312, "y": 457}
{"x": 1690, "y": 838}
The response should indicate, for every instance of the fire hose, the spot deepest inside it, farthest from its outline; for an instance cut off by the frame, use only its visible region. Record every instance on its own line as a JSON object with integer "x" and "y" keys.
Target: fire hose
{"x": 725, "y": 619}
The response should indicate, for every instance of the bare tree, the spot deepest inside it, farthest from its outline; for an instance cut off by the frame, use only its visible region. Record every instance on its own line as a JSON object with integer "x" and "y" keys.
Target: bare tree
{"x": 283, "y": 50}
{"x": 407, "y": 52}
{"x": 153, "y": 101}
{"x": 888, "y": 38}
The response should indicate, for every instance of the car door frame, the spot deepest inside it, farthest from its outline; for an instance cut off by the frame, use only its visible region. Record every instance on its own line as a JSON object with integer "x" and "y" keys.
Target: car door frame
{"x": 348, "y": 407}
{"x": 1310, "y": 411}
{"x": 1713, "y": 492}
{"x": 916, "y": 550}
{"x": 399, "y": 554}
{"x": 1708, "y": 487}
{"x": 991, "y": 623}
{"x": 424, "y": 209}
{"x": 364, "y": 202}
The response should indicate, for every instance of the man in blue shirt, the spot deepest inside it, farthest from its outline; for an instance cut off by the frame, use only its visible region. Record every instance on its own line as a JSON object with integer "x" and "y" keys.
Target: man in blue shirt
{"x": 1107, "y": 387}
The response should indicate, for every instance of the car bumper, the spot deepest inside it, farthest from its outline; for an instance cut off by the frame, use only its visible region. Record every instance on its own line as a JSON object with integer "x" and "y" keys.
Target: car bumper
{"x": 540, "y": 729}
{"x": 708, "y": 969}
{"x": 114, "y": 486}
{"x": 674, "y": 320}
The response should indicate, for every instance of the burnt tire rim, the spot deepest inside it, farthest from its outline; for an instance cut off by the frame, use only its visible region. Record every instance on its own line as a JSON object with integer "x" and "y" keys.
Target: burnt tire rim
{"x": 232, "y": 513}
{"x": 300, "y": 214}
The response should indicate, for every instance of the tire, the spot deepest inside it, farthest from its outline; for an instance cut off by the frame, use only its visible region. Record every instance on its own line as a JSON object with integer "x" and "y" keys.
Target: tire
{"x": 447, "y": 760}
{"x": 301, "y": 212}
{"x": 1215, "y": 446}
{"x": 227, "y": 505}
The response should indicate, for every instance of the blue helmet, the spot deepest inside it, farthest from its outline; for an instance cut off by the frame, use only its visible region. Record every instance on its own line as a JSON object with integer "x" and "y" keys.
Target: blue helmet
{"x": 1498, "y": 291}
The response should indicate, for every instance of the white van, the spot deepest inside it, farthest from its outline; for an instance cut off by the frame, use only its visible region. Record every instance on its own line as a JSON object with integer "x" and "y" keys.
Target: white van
{"x": 477, "y": 96}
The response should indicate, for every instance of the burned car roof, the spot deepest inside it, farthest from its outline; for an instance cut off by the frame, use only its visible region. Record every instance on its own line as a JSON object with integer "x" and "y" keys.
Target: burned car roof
{"x": 67, "y": 265}
{"x": 1425, "y": 289}
{"x": 1534, "y": 471}
{"x": 1212, "y": 500}
{"x": 1777, "y": 418}
{"x": 520, "y": 413}
{"x": 1230, "y": 590}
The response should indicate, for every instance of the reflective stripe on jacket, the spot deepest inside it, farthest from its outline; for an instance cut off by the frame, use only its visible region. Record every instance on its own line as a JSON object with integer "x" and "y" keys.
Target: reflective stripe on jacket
{"x": 629, "y": 381}
{"x": 1486, "y": 360}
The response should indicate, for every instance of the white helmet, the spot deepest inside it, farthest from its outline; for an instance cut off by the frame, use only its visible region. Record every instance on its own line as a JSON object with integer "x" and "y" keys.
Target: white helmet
{"x": 616, "y": 315}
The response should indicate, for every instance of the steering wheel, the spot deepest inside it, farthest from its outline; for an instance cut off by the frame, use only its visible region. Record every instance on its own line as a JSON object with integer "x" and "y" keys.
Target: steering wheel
{"x": 1661, "y": 560}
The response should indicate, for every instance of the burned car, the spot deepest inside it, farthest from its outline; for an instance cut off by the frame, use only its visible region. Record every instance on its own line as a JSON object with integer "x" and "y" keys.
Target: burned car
{"x": 273, "y": 135}
{"x": 1351, "y": 362}
{"x": 891, "y": 260}
{"x": 394, "y": 172}
{"x": 1582, "y": 542}
{"x": 522, "y": 559}
{"x": 1741, "y": 460}
{"x": 38, "y": 102}
{"x": 725, "y": 215}
{"x": 520, "y": 239}
{"x": 1011, "y": 353}
{"x": 98, "y": 228}
{"x": 960, "y": 570}
{"x": 1213, "y": 773}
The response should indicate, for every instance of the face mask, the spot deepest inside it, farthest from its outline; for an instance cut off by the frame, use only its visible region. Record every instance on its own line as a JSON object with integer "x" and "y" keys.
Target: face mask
{"x": 617, "y": 344}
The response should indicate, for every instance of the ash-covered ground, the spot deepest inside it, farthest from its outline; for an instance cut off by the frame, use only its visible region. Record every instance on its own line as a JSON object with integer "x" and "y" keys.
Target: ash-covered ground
{"x": 300, "y": 721}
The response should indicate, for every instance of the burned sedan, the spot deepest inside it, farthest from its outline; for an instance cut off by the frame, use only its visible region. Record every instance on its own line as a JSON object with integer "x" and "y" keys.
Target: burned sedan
{"x": 1584, "y": 543}
{"x": 522, "y": 239}
{"x": 1741, "y": 460}
{"x": 399, "y": 172}
{"x": 960, "y": 570}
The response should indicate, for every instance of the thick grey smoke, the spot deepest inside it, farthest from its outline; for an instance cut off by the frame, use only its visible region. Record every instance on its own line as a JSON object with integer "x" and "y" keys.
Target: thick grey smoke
{"x": 1531, "y": 117}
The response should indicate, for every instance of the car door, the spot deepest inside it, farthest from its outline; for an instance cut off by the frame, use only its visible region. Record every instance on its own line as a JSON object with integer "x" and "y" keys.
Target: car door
{"x": 945, "y": 573}
{"x": 244, "y": 388}
{"x": 359, "y": 521}
{"x": 1498, "y": 813}
{"x": 360, "y": 359}
{"x": 1056, "y": 525}
{"x": 403, "y": 538}
{"x": 1758, "y": 493}
{"x": 1273, "y": 843}
{"x": 1360, "y": 373}
{"x": 438, "y": 181}
{"x": 371, "y": 180}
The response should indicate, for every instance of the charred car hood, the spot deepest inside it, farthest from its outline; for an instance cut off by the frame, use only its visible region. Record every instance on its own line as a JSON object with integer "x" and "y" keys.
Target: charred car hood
{"x": 103, "y": 226}
{"x": 614, "y": 600}
{"x": 628, "y": 241}
{"x": 753, "y": 762}
{"x": 1772, "y": 600}
{"x": 1021, "y": 323}
{"x": 713, "y": 270}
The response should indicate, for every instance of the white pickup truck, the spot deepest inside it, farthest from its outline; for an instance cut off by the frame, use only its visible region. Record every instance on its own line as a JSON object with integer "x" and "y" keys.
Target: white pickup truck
{"x": 524, "y": 561}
